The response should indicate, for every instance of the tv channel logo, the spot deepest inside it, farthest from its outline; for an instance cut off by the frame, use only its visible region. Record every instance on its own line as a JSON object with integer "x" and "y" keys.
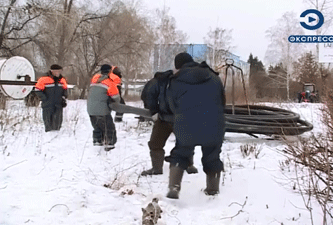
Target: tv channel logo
{"x": 312, "y": 19}
{"x": 310, "y": 16}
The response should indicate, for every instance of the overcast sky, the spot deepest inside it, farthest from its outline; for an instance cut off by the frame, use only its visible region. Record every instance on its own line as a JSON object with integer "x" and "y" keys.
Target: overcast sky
{"x": 249, "y": 19}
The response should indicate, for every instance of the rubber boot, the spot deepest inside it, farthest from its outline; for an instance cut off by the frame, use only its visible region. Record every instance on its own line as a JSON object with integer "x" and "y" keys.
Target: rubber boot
{"x": 213, "y": 183}
{"x": 118, "y": 118}
{"x": 175, "y": 179}
{"x": 157, "y": 161}
{"x": 191, "y": 169}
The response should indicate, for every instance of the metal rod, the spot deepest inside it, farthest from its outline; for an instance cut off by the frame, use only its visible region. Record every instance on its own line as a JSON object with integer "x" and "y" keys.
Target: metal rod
{"x": 243, "y": 81}
{"x": 27, "y": 81}
{"x": 233, "y": 90}
{"x": 230, "y": 64}
{"x": 23, "y": 83}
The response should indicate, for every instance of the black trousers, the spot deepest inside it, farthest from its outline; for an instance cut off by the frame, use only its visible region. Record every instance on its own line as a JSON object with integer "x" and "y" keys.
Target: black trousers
{"x": 52, "y": 118}
{"x": 211, "y": 161}
{"x": 104, "y": 129}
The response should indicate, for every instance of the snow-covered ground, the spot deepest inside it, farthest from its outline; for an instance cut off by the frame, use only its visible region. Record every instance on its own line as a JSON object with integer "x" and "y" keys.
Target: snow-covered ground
{"x": 61, "y": 178}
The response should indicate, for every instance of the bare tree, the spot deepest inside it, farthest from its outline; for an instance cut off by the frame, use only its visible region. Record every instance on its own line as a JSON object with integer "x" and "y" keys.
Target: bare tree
{"x": 121, "y": 38}
{"x": 58, "y": 28}
{"x": 138, "y": 42}
{"x": 17, "y": 23}
{"x": 169, "y": 40}
{"x": 67, "y": 6}
{"x": 86, "y": 54}
{"x": 166, "y": 29}
{"x": 219, "y": 41}
{"x": 81, "y": 38}
{"x": 326, "y": 8}
{"x": 315, "y": 155}
{"x": 280, "y": 50}
{"x": 277, "y": 76}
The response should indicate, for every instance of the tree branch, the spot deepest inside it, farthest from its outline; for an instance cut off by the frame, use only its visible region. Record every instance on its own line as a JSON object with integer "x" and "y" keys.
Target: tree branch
{"x": 4, "y": 24}
{"x": 23, "y": 24}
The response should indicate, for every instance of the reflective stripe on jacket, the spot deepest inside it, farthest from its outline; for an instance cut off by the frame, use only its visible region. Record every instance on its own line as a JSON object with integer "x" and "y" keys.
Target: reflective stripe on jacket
{"x": 108, "y": 84}
{"x": 50, "y": 90}
{"x": 48, "y": 81}
{"x": 102, "y": 88}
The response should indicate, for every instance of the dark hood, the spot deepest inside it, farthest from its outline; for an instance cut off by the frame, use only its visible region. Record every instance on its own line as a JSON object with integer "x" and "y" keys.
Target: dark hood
{"x": 205, "y": 65}
{"x": 194, "y": 73}
{"x": 163, "y": 75}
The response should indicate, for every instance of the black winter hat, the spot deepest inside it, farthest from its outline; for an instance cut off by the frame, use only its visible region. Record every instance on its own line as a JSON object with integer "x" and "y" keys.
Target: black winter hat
{"x": 55, "y": 67}
{"x": 117, "y": 72}
{"x": 181, "y": 59}
{"x": 105, "y": 68}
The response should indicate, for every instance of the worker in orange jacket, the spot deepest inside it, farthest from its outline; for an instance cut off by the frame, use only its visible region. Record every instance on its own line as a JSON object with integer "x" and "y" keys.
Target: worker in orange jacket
{"x": 103, "y": 91}
{"x": 52, "y": 90}
{"x": 116, "y": 76}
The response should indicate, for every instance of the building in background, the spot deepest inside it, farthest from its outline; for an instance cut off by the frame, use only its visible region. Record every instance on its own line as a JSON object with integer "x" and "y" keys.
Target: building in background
{"x": 163, "y": 58}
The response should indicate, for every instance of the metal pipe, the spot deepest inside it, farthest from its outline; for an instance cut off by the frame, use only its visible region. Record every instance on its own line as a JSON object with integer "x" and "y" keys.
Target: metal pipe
{"x": 22, "y": 83}
{"x": 27, "y": 81}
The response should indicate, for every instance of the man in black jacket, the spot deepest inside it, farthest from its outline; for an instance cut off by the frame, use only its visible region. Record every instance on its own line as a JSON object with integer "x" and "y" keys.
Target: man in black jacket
{"x": 153, "y": 96}
{"x": 52, "y": 90}
{"x": 196, "y": 98}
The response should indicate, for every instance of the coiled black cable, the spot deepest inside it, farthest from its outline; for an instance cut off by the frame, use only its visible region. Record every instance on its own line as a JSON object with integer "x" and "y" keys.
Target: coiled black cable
{"x": 249, "y": 119}
{"x": 264, "y": 120}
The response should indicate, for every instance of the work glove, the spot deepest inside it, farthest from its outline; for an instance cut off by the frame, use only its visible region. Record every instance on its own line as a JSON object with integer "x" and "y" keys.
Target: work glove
{"x": 155, "y": 117}
{"x": 63, "y": 102}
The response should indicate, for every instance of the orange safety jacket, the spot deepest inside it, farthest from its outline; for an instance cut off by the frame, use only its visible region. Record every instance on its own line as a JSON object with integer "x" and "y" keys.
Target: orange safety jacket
{"x": 114, "y": 77}
{"x": 50, "y": 92}
{"x": 44, "y": 82}
{"x": 108, "y": 84}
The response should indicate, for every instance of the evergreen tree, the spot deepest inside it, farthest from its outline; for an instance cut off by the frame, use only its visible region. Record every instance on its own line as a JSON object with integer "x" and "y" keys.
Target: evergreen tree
{"x": 257, "y": 73}
{"x": 307, "y": 69}
{"x": 278, "y": 76}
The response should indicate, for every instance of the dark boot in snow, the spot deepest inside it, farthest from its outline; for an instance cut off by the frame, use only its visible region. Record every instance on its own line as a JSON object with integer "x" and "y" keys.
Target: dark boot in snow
{"x": 97, "y": 143}
{"x": 213, "y": 183}
{"x": 118, "y": 119}
{"x": 191, "y": 168}
{"x": 108, "y": 147}
{"x": 157, "y": 160}
{"x": 175, "y": 179}
{"x": 151, "y": 171}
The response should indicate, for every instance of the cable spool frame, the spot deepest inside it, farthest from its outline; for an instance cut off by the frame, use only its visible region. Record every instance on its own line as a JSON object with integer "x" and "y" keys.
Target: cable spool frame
{"x": 12, "y": 70}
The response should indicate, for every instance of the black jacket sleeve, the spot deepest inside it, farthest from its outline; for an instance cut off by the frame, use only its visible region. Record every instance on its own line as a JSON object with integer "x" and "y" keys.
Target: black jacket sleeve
{"x": 65, "y": 93}
{"x": 150, "y": 94}
{"x": 205, "y": 65}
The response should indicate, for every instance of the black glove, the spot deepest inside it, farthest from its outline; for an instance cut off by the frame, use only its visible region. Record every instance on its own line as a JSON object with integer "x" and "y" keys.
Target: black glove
{"x": 63, "y": 102}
